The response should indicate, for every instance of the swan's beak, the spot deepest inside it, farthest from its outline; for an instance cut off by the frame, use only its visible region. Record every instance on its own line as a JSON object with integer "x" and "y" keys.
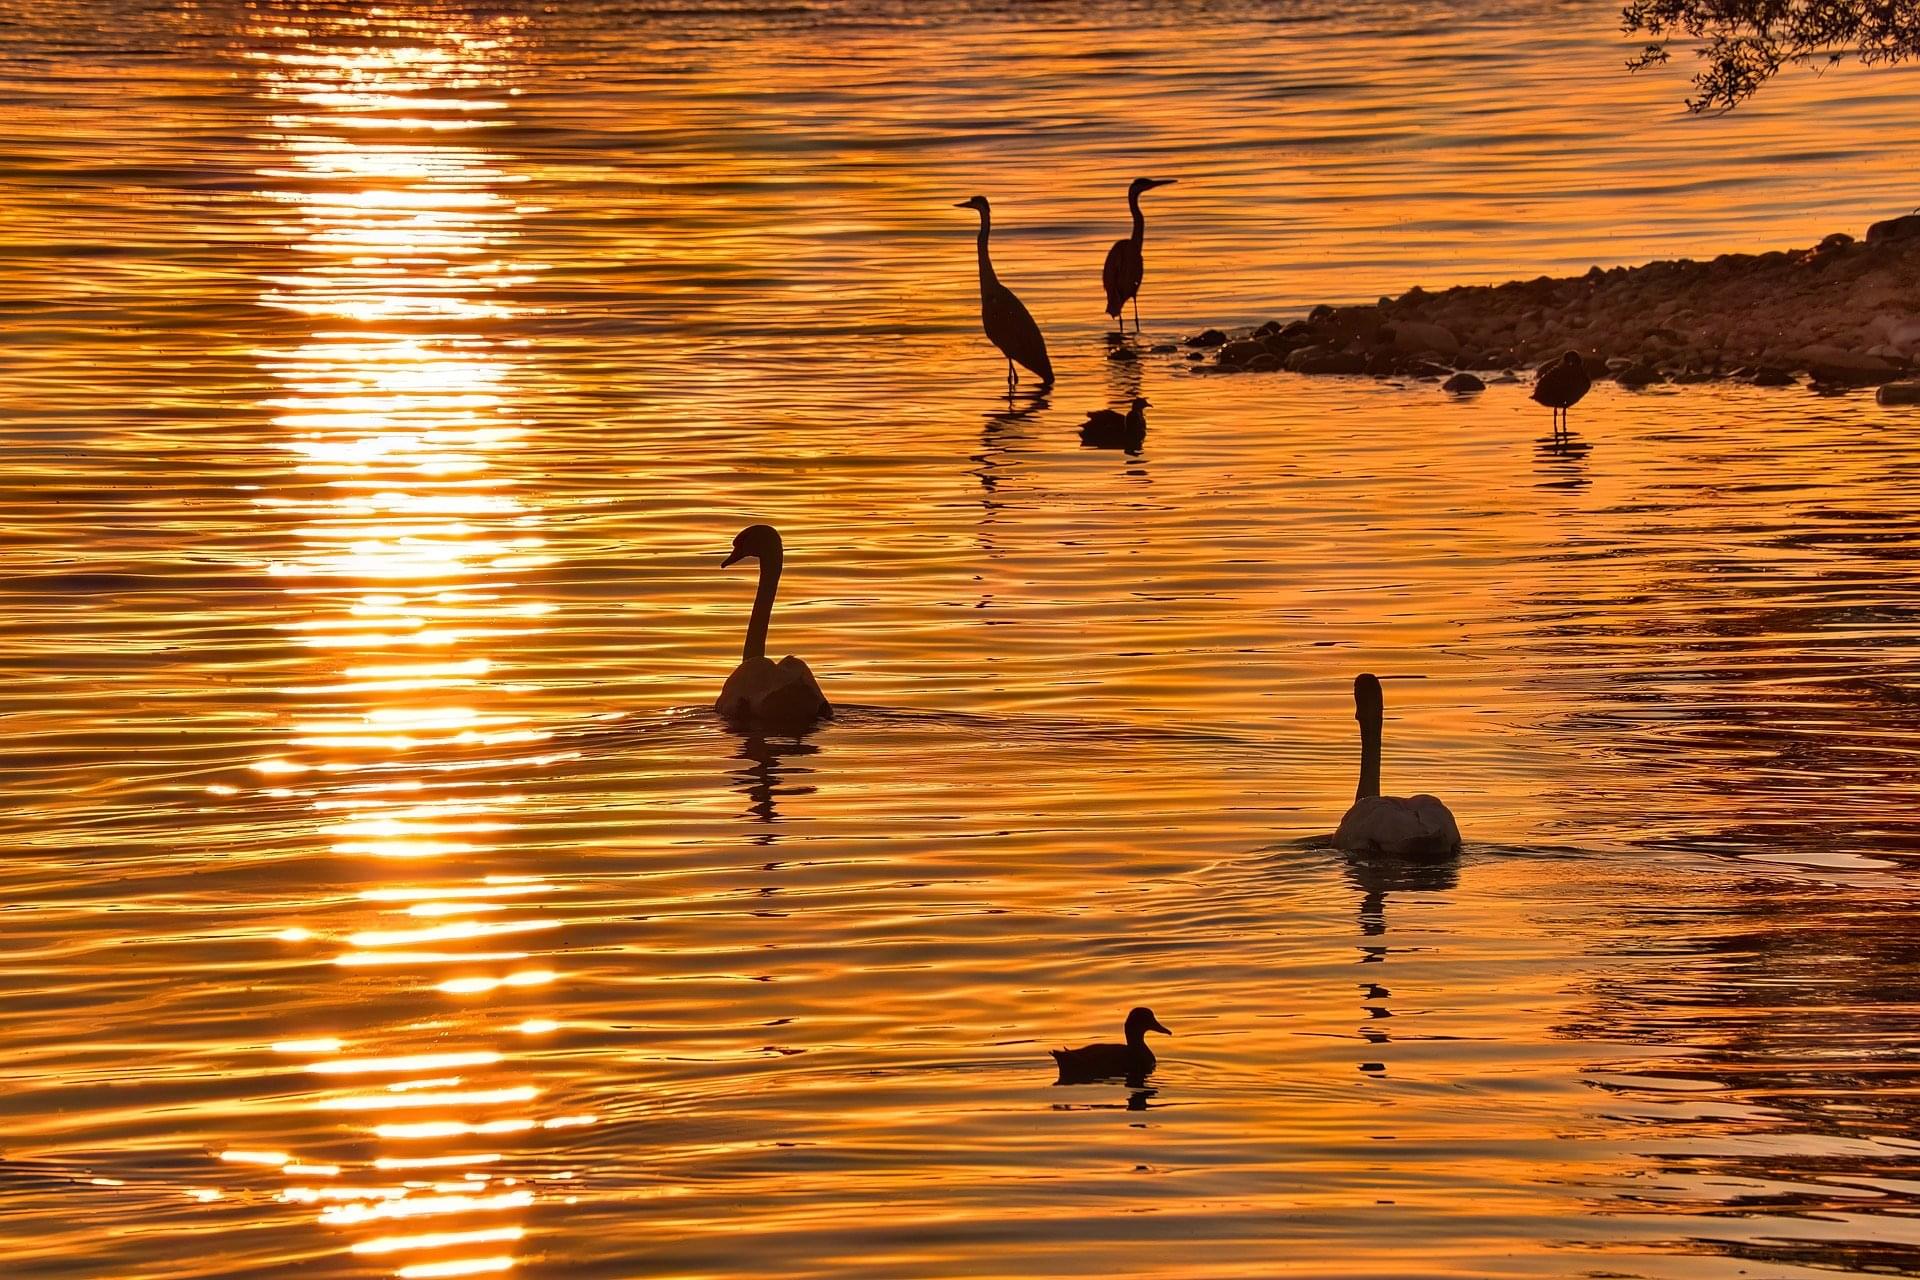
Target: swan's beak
{"x": 733, "y": 557}
{"x": 1155, "y": 1026}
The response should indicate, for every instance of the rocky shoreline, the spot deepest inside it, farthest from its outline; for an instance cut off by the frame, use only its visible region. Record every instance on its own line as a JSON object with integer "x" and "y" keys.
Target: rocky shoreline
{"x": 1844, "y": 313}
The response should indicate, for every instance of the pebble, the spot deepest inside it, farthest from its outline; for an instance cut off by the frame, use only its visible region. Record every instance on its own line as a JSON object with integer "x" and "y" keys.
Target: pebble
{"x": 1463, "y": 384}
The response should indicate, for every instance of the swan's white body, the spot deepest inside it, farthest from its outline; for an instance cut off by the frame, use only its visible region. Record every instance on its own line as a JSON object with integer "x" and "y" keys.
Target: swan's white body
{"x": 1400, "y": 826}
{"x": 772, "y": 693}
{"x": 1395, "y": 826}
{"x": 761, "y": 692}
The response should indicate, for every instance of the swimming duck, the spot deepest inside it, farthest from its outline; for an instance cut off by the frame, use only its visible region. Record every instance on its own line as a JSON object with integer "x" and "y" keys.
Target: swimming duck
{"x": 1560, "y": 385}
{"x": 1111, "y": 429}
{"x": 776, "y": 695}
{"x": 1104, "y": 1061}
{"x": 1398, "y": 826}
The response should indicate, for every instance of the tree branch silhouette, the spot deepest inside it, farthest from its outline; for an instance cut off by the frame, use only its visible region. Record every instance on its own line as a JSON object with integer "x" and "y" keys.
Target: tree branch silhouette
{"x": 1745, "y": 43}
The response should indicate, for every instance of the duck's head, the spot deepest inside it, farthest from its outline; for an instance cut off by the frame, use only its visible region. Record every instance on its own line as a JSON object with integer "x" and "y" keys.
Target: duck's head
{"x": 1142, "y": 185}
{"x": 1141, "y": 1021}
{"x": 755, "y": 542}
{"x": 1141, "y": 402}
{"x": 974, "y": 202}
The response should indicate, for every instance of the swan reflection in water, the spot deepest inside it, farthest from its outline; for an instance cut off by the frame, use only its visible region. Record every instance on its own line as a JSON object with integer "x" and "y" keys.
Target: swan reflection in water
{"x": 1377, "y": 876}
{"x": 763, "y": 778}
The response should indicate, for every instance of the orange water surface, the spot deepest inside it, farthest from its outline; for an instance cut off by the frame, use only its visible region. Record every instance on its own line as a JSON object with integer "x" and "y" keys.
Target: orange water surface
{"x": 382, "y": 386}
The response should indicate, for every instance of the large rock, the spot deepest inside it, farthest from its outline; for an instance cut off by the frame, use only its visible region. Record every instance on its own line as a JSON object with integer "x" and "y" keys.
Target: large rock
{"x": 1207, "y": 338}
{"x": 1899, "y": 393}
{"x": 1831, "y": 363}
{"x": 1242, "y": 351}
{"x": 1900, "y": 228}
{"x": 1326, "y": 359}
{"x": 1462, "y": 384}
{"x": 1417, "y": 337}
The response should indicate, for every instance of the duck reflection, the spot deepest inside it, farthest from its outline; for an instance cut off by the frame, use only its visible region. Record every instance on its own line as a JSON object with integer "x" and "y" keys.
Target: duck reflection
{"x": 764, "y": 778}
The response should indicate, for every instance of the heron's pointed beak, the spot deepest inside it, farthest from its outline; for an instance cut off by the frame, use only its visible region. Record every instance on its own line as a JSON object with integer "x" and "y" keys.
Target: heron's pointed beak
{"x": 1164, "y": 182}
{"x": 963, "y": 204}
{"x": 1155, "y": 1026}
{"x": 733, "y": 557}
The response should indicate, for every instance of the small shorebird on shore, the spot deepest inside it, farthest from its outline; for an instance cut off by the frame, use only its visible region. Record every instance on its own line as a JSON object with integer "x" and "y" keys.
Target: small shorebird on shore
{"x": 1560, "y": 386}
{"x": 1104, "y": 1061}
{"x": 1009, "y": 325}
{"x": 1399, "y": 826}
{"x": 1125, "y": 267}
{"x": 1111, "y": 429}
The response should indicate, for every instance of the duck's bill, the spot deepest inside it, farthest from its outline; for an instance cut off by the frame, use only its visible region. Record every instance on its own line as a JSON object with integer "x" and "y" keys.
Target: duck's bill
{"x": 1155, "y": 1026}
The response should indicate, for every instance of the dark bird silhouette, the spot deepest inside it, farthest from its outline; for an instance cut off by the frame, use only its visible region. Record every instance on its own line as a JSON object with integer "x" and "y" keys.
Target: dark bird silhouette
{"x": 1008, "y": 323}
{"x": 761, "y": 692}
{"x": 1560, "y": 385}
{"x": 1125, "y": 266}
{"x": 1400, "y": 826}
{"x": 1105, "y": 1061}
{"x": 1111, "y": 429}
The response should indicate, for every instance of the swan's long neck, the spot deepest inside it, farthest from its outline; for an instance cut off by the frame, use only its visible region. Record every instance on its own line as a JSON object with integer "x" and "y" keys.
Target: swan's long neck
{"x": 762, "y": 607}
{"x": 1139, "y": 219}
{"x": 1369, "y": 756}
{"x": 986, "y": 263}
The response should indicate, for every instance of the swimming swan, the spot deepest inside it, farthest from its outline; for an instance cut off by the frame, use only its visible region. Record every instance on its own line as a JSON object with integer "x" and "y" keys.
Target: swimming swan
{"x": 1400, "y": 826}
{"x": 778, "y": 695}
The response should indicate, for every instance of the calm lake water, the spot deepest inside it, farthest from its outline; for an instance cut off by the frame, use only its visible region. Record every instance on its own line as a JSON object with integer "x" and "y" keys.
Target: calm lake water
{"x": 381, "y": 389}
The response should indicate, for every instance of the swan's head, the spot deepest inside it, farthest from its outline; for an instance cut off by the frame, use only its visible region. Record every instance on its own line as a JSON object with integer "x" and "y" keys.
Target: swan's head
{"x": 1368, "y": 704}
{"x": 974, "y": 202}
{"x": 1573, "y": 360}
{"x": 755, "y": 542}
{"x": 1141, "y": 1021}
{"x": 1142, "y": 185}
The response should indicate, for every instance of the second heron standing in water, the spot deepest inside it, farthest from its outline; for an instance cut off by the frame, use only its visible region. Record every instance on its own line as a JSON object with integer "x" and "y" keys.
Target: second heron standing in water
{"x": 1008, "y": 323}
{"x": 1125, "y": 266}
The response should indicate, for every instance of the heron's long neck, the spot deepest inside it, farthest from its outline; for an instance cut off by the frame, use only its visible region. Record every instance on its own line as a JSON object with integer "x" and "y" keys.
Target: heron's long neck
{"x": 1369, "y": 759}
{"x": 986, "y": 263}
{"x": 1139, "y": 219}
{"x": 762, "y": 607}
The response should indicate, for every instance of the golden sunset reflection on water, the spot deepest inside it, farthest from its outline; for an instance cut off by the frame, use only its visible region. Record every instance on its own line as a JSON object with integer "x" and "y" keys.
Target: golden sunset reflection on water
{"x": 384, "y": 387}
{"x": 409, "y": 593}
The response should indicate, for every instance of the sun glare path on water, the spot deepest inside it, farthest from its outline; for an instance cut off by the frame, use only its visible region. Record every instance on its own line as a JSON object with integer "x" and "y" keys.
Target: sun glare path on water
{"x": 408, "y": 594}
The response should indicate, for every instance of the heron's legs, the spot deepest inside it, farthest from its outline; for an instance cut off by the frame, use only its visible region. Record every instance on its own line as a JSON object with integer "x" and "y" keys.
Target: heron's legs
{"x": 1136, "y": 313}
{"x": 1013, "y": 379}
